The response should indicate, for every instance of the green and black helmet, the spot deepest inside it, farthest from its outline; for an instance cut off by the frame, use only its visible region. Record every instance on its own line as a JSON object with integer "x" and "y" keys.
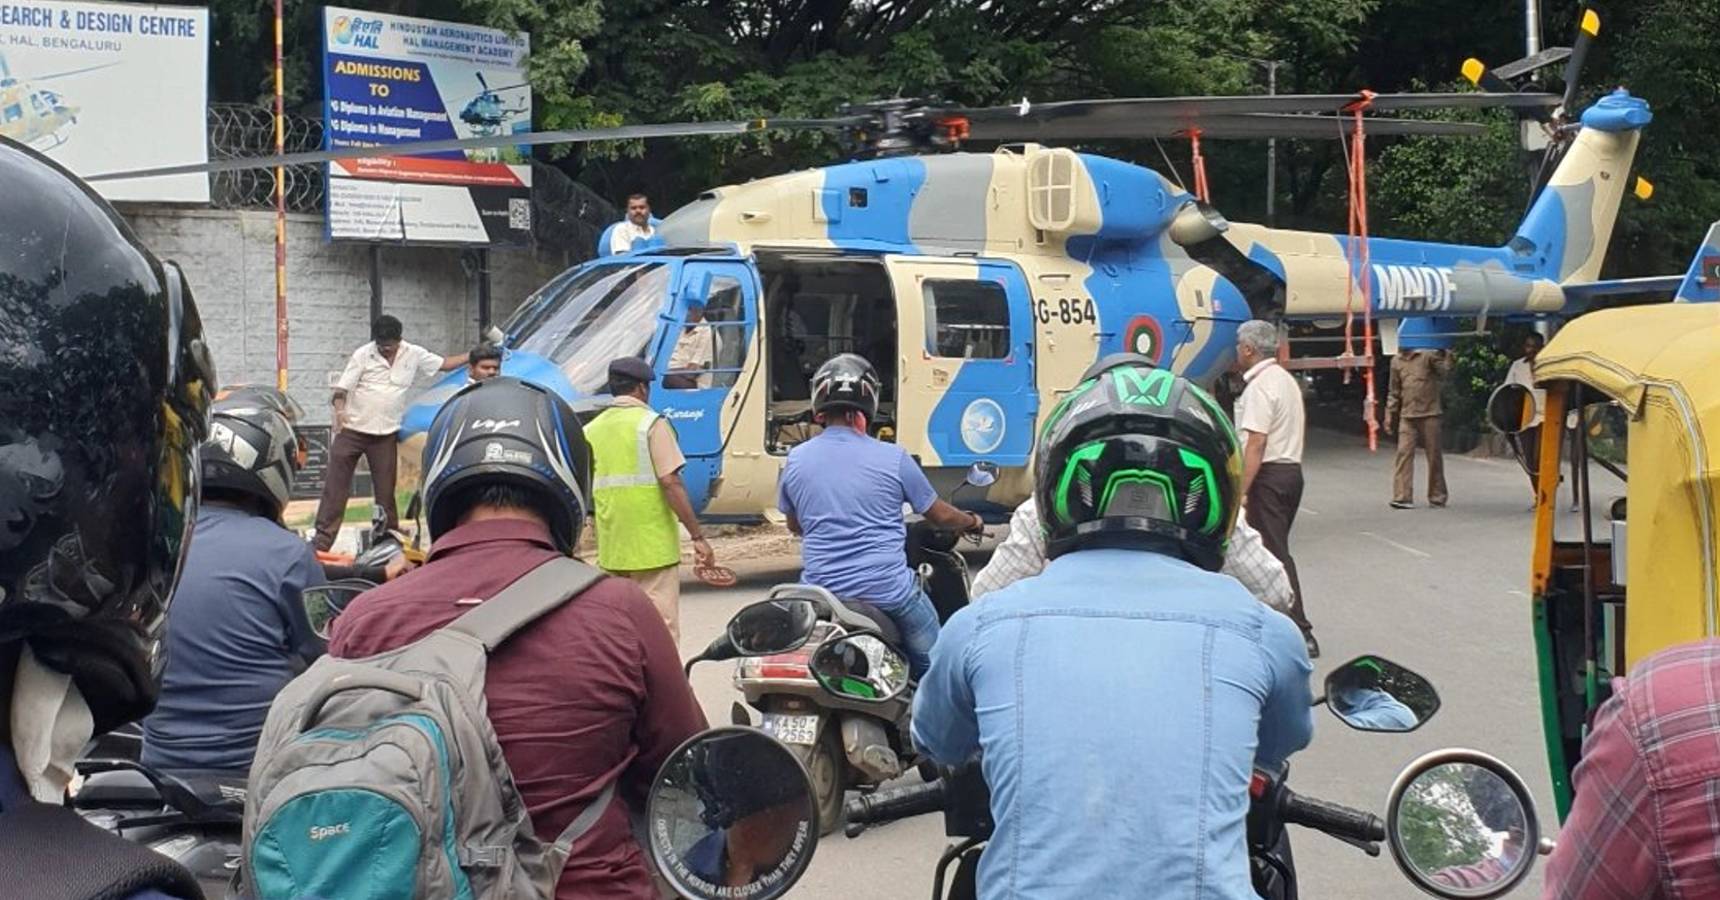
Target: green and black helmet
{"x": 1139, "y": 458}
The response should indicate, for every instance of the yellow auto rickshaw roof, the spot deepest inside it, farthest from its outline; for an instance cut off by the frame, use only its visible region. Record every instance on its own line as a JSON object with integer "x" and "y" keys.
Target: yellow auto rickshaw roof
{"x": 1621, "y": 352}
{"x": 1662, "y": 363}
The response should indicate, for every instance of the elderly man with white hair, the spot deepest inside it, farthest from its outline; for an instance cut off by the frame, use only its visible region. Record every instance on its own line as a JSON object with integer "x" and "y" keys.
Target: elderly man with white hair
{"x": 1271, "y": 422}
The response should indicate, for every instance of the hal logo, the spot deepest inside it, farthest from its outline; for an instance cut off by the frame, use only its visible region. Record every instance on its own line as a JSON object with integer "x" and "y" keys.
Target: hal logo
{"x": 357, "y": 31}
{"x": 1414, "y": 287}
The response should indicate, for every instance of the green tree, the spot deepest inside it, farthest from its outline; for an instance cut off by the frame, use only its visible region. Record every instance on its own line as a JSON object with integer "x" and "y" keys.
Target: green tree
{"x": 1438, "y": 823}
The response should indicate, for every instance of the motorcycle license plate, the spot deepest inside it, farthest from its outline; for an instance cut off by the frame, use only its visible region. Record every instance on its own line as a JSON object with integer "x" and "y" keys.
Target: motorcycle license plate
{"x": 792, "y": 729}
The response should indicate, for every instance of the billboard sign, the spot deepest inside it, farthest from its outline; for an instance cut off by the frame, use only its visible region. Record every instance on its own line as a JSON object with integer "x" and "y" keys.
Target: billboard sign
{"x": 107, "y": 87}
{"x": 395, "y": 79}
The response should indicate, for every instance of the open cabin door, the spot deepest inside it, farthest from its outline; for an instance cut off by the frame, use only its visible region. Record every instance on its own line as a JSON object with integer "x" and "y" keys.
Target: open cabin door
{"x": 966, "y": 389}
{"x": 704, "y": 359}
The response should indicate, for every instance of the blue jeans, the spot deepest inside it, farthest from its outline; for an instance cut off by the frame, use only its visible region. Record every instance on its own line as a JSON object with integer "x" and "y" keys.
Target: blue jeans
{"x": 917, "y": 619}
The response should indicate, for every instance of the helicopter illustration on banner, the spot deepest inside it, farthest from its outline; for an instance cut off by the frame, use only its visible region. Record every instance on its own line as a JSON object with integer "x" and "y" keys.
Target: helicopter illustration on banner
{"x": 981, "y": 285}
{"x": 486, "y": 113}
{"x": 34, "y": 115}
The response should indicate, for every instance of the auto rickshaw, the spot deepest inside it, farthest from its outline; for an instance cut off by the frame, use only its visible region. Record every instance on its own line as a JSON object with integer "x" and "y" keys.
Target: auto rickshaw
{"x": 1633, "y": 395}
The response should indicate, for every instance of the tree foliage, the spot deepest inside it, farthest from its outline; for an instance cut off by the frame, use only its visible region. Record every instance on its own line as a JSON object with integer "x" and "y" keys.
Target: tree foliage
{"x": 605, "y": 62}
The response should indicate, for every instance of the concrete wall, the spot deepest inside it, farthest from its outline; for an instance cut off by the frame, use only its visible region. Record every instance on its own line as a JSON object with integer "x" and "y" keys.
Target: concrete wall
{"x": 229, "y": 259}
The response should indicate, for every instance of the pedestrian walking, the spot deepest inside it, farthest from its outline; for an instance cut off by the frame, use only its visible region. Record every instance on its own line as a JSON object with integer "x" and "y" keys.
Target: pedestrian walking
{"x": 1414, "y": 412}
{"x": 369, "y": 401}
{"x": 638, "y": 492}
{"x": 1273, "y": 424}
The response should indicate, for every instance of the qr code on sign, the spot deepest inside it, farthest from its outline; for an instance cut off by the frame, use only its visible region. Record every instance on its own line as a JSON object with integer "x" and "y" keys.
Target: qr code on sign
{"x": 520, "y": 213}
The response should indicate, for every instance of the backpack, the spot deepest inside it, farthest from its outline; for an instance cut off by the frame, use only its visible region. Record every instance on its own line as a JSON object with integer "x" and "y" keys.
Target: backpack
{"x": 382, "y": 777}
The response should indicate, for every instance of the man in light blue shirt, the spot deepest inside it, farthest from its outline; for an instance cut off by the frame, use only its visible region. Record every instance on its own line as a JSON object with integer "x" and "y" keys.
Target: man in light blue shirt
{"x": 1120, "y": 700}
{"x": 843, "y": 492}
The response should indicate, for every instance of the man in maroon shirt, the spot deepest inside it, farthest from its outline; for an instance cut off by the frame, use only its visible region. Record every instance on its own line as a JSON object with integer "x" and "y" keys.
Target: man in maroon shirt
{"x": 589, "y": 694}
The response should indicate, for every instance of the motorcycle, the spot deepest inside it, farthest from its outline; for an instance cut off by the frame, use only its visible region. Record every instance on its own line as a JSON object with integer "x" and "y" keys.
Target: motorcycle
{"x": 193, "y": 817}
{"x": 793, "y": 642}
{"x": 1368, "y": 693}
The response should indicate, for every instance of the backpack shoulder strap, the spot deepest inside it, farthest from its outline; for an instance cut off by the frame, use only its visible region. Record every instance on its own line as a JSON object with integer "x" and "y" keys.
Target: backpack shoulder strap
{"x": 532, "y": 595}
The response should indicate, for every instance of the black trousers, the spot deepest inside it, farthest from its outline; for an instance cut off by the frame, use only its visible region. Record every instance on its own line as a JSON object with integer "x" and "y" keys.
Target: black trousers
{"x": 1273, "y": 499}
{"x": 344, "y": 452}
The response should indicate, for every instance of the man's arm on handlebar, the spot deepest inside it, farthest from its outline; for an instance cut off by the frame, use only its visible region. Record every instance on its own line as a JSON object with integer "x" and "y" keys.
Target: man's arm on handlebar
{"x": 945, "y": 725}
{"x": 1287, "y": 718}
{"x": 943, "y": 515}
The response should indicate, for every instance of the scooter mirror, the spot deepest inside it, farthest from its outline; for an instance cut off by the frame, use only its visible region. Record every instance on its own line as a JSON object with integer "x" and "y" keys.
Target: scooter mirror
{"x": 772, "y": 626}
{"x": 1461, "y": 825}
{"x": 324, "y": 602}
{"x": 1369, "y": 693}
{"x": 981, "y": 474}
{"x": 1506, "y": 407}
{"x": 860, "y": 667}
{"x": 731, "y": 815}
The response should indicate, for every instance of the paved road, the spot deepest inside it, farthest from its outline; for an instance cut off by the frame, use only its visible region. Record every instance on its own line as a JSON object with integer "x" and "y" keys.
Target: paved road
{"x": 1441, "y": 591}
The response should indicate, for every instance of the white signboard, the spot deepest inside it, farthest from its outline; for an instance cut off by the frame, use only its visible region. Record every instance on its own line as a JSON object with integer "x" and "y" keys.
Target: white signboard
{"x": 393, "y": 80}
{"x": 107, "y": 87}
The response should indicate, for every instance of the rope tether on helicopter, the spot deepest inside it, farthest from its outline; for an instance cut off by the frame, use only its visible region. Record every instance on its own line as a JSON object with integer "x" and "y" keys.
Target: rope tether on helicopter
{"x": 1199, "y": 163}
{"x": 1357, "y": 250}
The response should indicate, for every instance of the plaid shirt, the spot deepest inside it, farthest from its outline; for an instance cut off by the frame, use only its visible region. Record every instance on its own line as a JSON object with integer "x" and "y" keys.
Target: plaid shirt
{"x": 1646, "y": 819}
{"x": 1022, "y": 555}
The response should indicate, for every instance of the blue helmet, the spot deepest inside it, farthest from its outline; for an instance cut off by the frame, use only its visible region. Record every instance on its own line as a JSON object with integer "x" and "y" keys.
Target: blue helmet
{"x": 504, "y": 430}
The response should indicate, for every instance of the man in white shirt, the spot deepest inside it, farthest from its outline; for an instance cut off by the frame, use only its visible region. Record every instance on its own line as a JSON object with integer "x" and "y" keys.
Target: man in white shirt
{"x": 1522, "y": 372}
{"x": 369, "y": 401}
{"x": 1272, "y": 423}
{"x": 695, "y": 351}
{"x": 636, "y": 227}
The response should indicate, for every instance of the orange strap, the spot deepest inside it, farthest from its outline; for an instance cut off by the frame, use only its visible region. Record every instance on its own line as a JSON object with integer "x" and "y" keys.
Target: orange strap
{"x": 1358, "y": 253}
{"x": 1200, "y": 187}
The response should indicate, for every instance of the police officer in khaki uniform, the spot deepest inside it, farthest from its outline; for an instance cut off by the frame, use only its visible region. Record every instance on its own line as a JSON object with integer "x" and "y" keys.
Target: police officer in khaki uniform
{"x": 1413, "y": 411}
{"x": 637, "y": 489}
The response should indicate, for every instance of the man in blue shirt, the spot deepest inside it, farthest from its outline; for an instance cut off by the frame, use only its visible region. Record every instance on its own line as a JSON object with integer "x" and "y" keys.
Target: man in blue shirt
{"x": 238, "y": 629}
{"x": 843, "y": 493}
{"x": 1122, "y": 697}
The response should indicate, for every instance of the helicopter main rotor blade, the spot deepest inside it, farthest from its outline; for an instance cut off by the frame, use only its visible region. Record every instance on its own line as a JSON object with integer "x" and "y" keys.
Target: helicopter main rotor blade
{"x": 530, "y": 139}
{"x": 1246, "y": 126}
{"x": 1189, "y": 111}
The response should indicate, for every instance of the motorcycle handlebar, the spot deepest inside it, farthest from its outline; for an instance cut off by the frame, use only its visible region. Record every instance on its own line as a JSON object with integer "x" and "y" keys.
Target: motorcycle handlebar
{"x": 1334, "y": 819}
{"x": 890, "y": 805}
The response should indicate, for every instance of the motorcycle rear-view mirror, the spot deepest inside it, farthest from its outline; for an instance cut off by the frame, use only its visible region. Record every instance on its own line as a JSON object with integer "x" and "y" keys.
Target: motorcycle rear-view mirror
{"x": 860, "y": 667}
{"x": 981, "y": 474}
{"x": 731, "y": 814}
{"x": 1461, "y": 824}
{"x": 325, "y": 602}
{"x": 772, "y": 626}
{"x": 1370, "y": 693}
{"x": 1506, "y": 408}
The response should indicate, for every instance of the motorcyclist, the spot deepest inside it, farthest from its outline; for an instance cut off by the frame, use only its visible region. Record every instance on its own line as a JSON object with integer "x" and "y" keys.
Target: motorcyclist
{"x": 589, "y": 694}
{"x": 104, "y": 390}
{"x": 755, "y": 805}
{"x": 1122, "y": 726}
{"x": 843, "y": 493}
{"x": 1358, "y": 698}
{"x": 238, "y": 629}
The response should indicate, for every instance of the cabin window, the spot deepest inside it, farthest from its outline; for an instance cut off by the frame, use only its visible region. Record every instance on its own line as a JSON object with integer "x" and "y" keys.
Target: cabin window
{"x": 966, "y": 319}
{"x": 712, "y": 346}
{"x": 14, "y": 112}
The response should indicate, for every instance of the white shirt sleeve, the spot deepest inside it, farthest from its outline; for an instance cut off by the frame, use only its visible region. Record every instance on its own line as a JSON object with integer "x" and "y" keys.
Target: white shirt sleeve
{"x": 1021, "y": 555}
{"x": 1247, "y": 560}
{"x": 427, "y": 363}
{"x": 348, "y": 380}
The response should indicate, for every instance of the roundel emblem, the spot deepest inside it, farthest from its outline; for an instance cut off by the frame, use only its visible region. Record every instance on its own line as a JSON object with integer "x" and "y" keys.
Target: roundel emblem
{"x": 1144, "y": 337}
{"x": 982, "y": 425}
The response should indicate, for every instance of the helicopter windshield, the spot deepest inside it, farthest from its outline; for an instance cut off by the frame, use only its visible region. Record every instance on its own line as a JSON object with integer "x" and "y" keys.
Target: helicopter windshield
{"x": 590, "y": 316}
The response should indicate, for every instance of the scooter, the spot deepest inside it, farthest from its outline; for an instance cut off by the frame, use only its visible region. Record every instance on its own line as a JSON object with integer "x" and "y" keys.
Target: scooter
{"x": 1368, "y": 693}
{"x": 846, "y": 742}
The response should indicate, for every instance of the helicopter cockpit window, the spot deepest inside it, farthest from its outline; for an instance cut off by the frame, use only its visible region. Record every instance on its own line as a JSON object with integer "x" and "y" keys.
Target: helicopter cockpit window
{"x": 966, "y": 319}
{"x": 712, "y": 345}
{"x": 13, "y": 113}
{"x": 601, "y": 313}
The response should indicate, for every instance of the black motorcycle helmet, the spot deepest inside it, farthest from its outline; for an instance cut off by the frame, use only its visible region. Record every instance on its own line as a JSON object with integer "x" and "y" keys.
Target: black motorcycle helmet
{"x": 509, "y": 431}
{"x": 736, "y": 775}
{"x": 1138, "y": 457}
{"x": 105, "y": 386}
{"x": 252, "y": 451}
{"x": 845, "y": 381}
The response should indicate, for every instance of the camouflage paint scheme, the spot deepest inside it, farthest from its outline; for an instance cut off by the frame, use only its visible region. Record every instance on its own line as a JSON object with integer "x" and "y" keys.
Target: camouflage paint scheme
{"x": 1084, "y": 246}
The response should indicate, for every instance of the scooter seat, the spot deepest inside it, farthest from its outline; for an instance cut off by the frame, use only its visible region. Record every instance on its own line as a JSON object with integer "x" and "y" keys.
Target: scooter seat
{"x": 887, "y": 629}
{"x": 131, "y": 789}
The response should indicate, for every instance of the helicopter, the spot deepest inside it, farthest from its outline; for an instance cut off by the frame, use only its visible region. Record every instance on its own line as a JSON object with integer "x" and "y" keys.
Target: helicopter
{"x": 486, "y": 113}
{"x": 981, "y": 285}
{"x": 32, "y": 115}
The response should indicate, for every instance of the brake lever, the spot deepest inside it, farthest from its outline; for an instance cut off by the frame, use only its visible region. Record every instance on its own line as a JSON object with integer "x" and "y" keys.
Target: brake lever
{"x": 1371, "y": 848}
